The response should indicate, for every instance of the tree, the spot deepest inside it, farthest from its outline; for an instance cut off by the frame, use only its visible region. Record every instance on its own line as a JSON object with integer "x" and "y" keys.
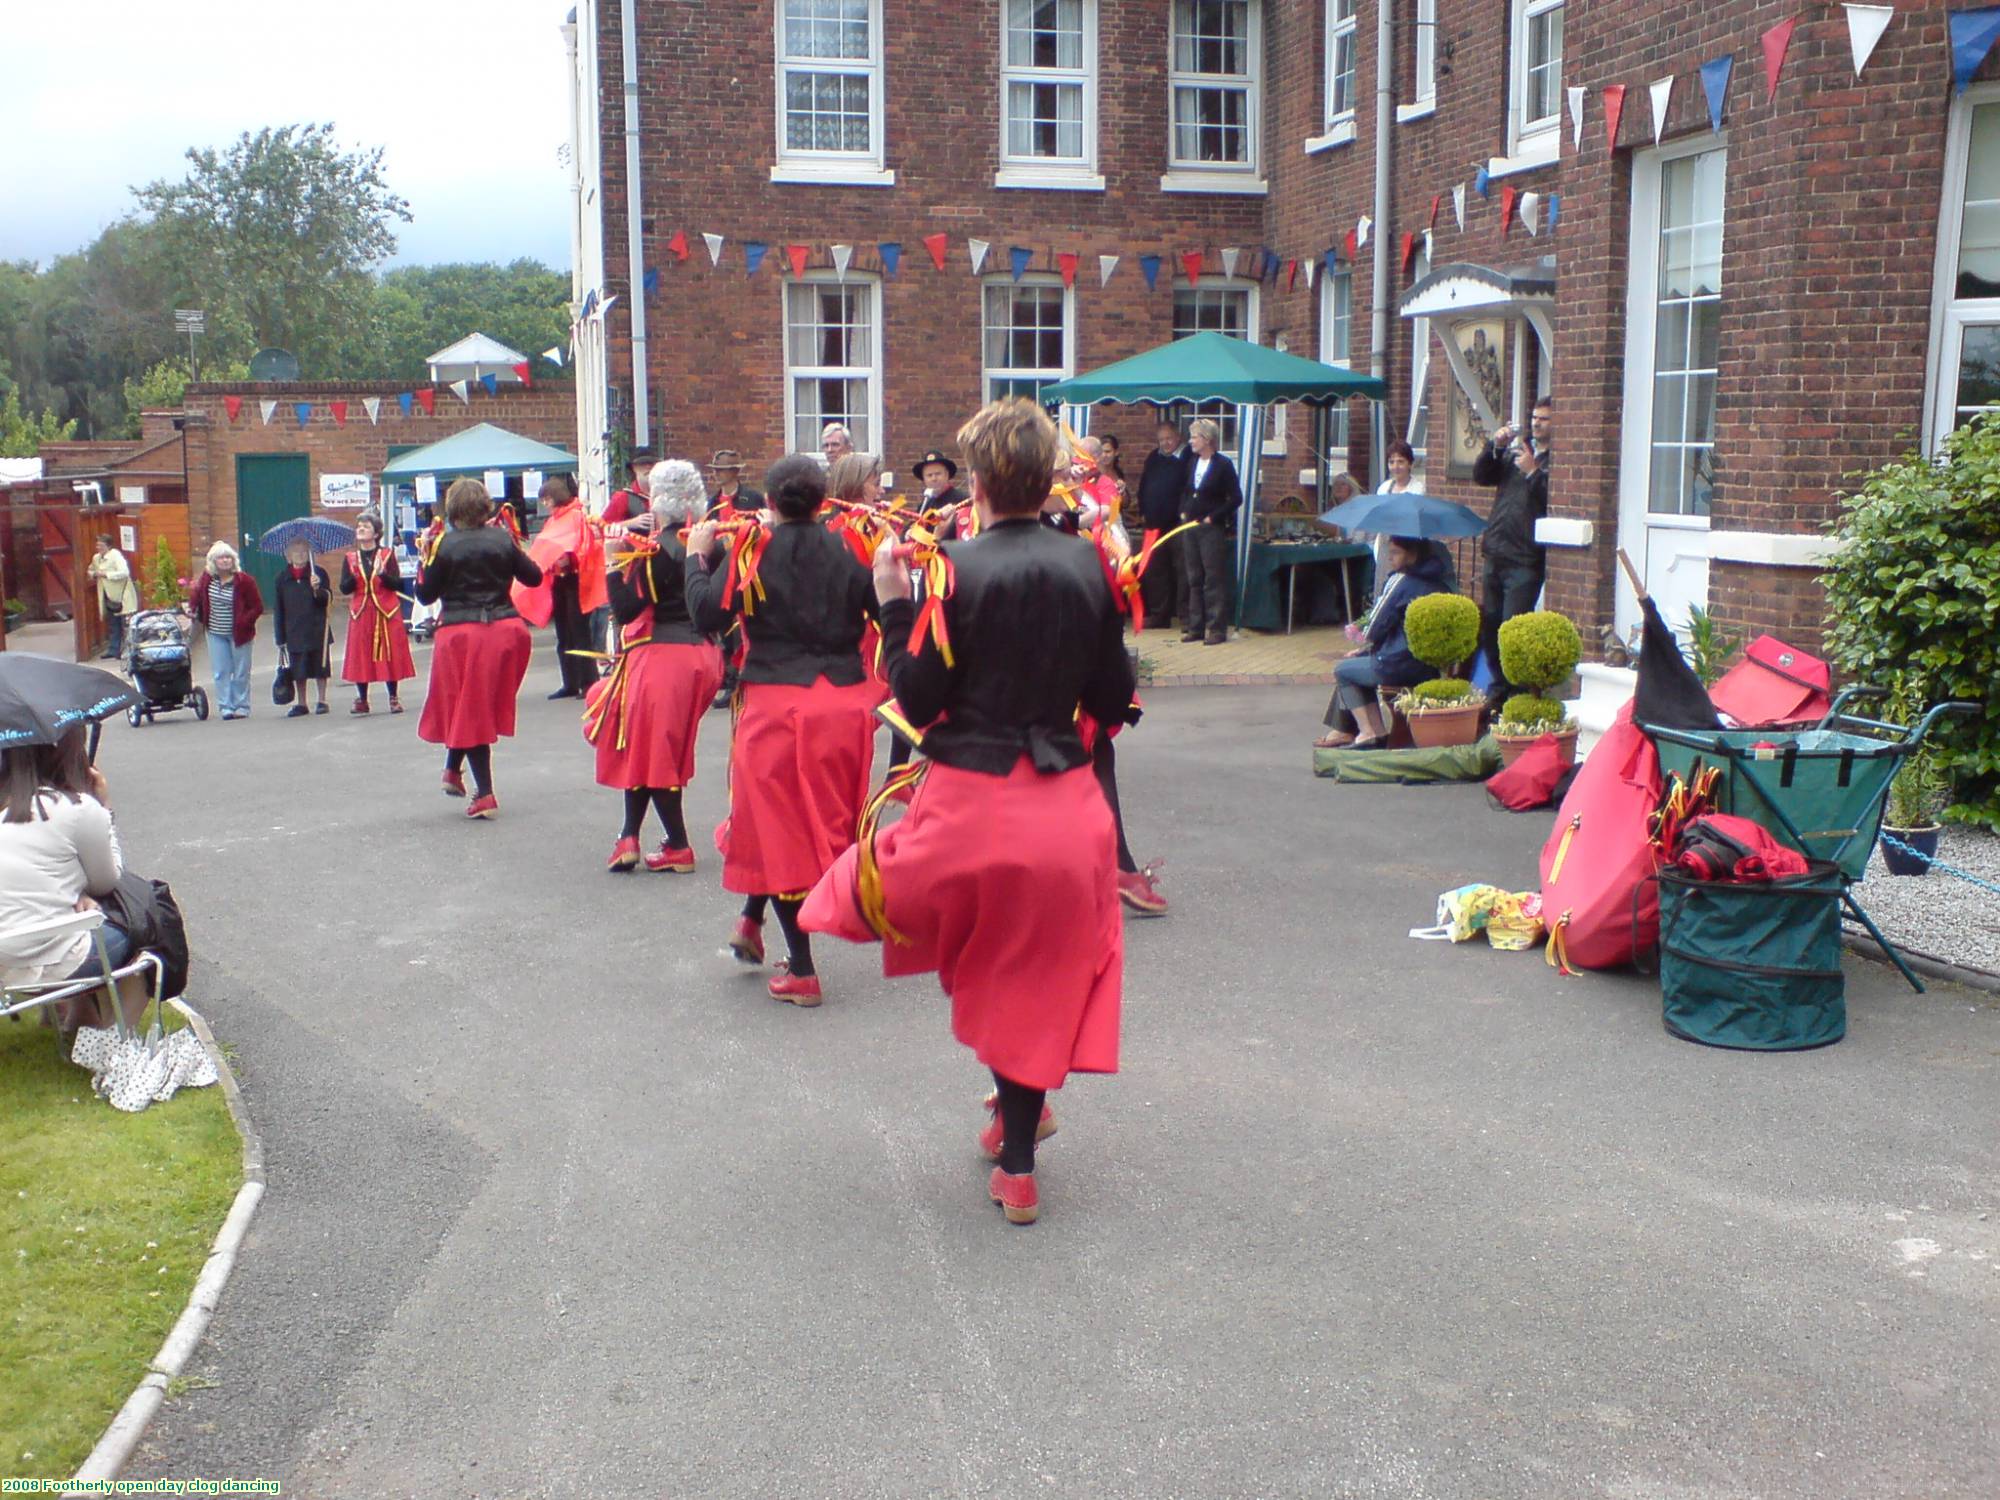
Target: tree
{"x": 22, "y": 435}
{"x": 160, "y": 387}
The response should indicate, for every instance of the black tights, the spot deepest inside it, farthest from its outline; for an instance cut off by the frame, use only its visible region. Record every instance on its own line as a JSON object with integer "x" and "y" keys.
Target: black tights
{"x": 362, "y": 689}
{"x": 666, "y": 801}
{"x": 480, "y": 758}
{"x": 797, "y": 945}
{"x": 1020, "y": 1118}
{"x": 1103, "y": 764}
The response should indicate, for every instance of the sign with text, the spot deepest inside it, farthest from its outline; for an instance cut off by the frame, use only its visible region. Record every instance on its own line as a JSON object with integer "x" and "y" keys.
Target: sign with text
{"x": 343, "y": 491}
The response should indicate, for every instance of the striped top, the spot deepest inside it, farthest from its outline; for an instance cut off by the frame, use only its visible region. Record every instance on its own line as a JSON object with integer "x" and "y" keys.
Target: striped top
{"x": 222, "y": 607}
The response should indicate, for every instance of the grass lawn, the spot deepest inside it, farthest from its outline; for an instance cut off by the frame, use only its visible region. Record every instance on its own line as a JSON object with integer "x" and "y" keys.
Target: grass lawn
{"x": 105, "y": 1221}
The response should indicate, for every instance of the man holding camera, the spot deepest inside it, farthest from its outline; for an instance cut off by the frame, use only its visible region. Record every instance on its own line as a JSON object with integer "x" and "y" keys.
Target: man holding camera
{"x": 1516, "y": 465}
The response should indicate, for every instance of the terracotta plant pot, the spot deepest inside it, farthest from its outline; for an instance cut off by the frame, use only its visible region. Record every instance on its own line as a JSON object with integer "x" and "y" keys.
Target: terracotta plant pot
{"x": 1513, "y": 746}
{"x": 1433, "y": 728}
{"x": 1923, "y": 840}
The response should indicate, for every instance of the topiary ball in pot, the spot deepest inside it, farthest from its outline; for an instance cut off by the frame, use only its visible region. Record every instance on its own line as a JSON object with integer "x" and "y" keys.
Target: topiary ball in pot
{"x": 1539, "y": 650}
{"x": 1524, "y": 711}
{"x": 1450, "y": 691}
{"x": 1442, "y": 629}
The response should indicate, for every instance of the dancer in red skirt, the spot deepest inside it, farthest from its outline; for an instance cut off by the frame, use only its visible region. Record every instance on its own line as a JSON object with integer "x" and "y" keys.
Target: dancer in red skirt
{"x": 805, "y": 727}
{"x": 378, "y": 647}
{"x": 642, "y": 719}
{"x": 481, "y": 649}
{"x": 1002, "y": 876}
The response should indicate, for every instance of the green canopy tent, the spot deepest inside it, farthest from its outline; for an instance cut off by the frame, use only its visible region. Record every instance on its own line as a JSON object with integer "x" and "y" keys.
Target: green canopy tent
{"x": 1216, "y": 367}
{"x": 479, "y": 450}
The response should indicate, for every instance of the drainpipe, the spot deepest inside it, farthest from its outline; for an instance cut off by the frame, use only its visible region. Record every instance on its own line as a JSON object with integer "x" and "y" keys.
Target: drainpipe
{"x": 635, "y": 248}
{"x": 1378, "y": 320}
{"x": 576, "y": 239}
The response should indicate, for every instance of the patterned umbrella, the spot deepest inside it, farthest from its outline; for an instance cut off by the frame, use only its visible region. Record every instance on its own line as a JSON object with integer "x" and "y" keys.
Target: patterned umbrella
{"x": 317, "y": 532}
{"x": 42, "y": 698}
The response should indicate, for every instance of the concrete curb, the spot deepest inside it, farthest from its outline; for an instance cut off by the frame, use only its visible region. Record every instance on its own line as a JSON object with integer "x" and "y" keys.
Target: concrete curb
{"x": 114, "y": 1449}
{"x": 1927, "y": 964}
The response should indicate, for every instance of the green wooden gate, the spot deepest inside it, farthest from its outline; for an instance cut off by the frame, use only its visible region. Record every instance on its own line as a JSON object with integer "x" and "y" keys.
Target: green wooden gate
{"x": 270, "y": 487}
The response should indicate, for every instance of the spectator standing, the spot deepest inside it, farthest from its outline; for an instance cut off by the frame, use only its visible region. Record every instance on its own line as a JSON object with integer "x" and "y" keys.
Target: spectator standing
{"x": 1162, "y": 483}
{"x": 299, "y": 623}
{"x": 634, "y": 499}
{"x": 1513, "y": 569}
{"x": 226, "y": 603}
{"x": 117, "y": 595}
{"x": 733, "y": 499}
{"x": 1213, "y": 497}
{"x": 835, "y": 443}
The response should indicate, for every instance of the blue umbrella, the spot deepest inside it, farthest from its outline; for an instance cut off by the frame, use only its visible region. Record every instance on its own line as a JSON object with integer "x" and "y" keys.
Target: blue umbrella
{"x": 316, "y": 532}
{"x": 1407, "y": 514}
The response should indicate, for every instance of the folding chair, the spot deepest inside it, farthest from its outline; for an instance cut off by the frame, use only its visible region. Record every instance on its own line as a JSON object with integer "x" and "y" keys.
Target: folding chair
{"x": 16, "y": 1000}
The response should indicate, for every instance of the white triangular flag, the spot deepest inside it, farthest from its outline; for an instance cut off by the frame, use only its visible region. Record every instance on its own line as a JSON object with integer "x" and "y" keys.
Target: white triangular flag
{"x": 1229, "y": 259}
{"x": 1427, "y": 246}
{"x": 373, "y": 406}
{"x": 267, "y": 407}
{"x": 1361, "y": 227}
{"x": 605, "y": 306}
{"x": 842, "y": 255}
{"x": 1663, "y": 98}
{"x": 978, "y": 249}
{"x": 553, "y": 354}
{"x": 1576, "y": 93}
{"x": 462, "y": 390}
{"x": 1531, "y": 212}
{"x": 1458, "y": 206}
{"x": 1106, "y": 264}
{"x": 1865, "y": 25}
{"x": 714, "y": 243}
{"x": 1312, "y": 270}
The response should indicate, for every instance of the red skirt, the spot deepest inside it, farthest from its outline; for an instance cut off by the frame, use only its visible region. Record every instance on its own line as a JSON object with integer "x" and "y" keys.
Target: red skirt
{"x": 476, "y": 674}
{"x": 378, "y": 649}
{"x": 798, "y": 779}
{"x": 642, "y": 719}
{"x": 1008, "y": 888}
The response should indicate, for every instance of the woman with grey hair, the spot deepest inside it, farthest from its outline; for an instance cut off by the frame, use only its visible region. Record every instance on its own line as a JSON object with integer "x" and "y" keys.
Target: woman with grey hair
{"x": 225, "y": 602}
{"x": 643, "y": 718}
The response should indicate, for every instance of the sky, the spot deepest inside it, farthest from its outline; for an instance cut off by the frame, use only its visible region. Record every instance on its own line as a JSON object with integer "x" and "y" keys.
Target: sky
{"x": 468, "y": 97}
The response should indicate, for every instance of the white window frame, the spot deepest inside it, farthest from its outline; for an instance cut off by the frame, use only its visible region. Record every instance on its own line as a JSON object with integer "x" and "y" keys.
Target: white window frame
{"x": 1186, "y": 411}
{"x": 877, "y": 441}
{"x": 1951, "y": 314}
{"x": 1240, "y": 178}
{"x": 1340, "y": 416}
{"x": 846, "y": 168}
{"x": 987, "y": 372}
{"x": 1420, "y": 380}
{"x": 1423, "y": 65}
{"x": 1337, "y": 125}
{"x": 1530, "y": 143}
{"x": 1077, "y": 176}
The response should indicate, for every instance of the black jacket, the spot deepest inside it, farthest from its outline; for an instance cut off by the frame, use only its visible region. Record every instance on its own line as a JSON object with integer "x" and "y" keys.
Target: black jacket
{"x": 1162, "y": 484}
{"x": 299, "y": 611}
{"x": 818, "y": 599}
{"x": 1034, "y": 634}
{"x": 473, "y": 574}
{"x": 1387, "y": 642}
{"x": 1217, "y": 497}
{"x": 1520, "y": 501}
{"x": 666, "y": 572}
{"x": 745, "y": 501}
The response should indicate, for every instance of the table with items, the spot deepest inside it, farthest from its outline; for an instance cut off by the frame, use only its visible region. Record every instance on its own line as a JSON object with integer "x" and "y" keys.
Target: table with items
{"x": 1305, "y": 583}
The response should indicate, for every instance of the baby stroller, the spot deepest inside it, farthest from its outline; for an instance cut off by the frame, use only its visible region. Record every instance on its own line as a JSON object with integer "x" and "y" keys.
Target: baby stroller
{"x": 161, "y": 666}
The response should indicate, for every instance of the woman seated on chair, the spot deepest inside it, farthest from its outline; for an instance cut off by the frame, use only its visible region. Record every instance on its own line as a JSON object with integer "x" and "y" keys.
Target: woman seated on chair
{"x": 1354, "y": 718}
{"x": 58, "y": 849}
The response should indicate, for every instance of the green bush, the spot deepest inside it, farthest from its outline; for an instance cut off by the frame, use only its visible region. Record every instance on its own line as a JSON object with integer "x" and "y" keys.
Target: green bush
{"x": 1524, "y": 711}
{"x": 1442, "y": 692}
{"x": 1443, "y": 629}
{"x": 1913, "y": 590}
{"x": 163, "y": 584}
{"x": 1538, "y": 651}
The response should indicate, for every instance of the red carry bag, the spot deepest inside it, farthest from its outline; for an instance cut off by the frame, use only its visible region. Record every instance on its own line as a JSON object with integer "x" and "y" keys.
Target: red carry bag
{"x": 1531, "y": 781}
{"x": 1774, "y": 685}
{"x": 1598, "y": 899}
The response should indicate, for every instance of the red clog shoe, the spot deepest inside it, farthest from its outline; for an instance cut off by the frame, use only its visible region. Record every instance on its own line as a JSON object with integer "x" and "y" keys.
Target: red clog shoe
{"x": 801, "y": 990}
{"x": 483, "y": 807}
{"x": 1016, "y": 1196}
{"x": 624, "y": 857}
{"x": 1140, "y": 894}
{"x": 671, "y": 861}
{"x": 454, "y": 783}
{"x": 991, "y": 1137}
{"x": 358, "y": 706}
{"x": 747, "y": 941}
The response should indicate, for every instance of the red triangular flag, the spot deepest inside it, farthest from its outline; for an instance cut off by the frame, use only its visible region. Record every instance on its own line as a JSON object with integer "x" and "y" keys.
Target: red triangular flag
{"x": 1191, "y": 264}
{"x": 1776, "y": 41}
{"x": 935, "y": 243}
{"x": 1066, "y": 263}
{"x": 527, "y": 375}
{"x": 428, "y": 400}
{"x": 1614, "y": 106}
{"x": 1347, "y": 245}
{"x": 1409, "y": 250}
{"x": 1436, "y": 199}
{"x": 1291, "y": 273}
{"x": 679, "y": 244}
{"x": 797, "y": 254}
{"x": 1507, "y": 197}
{"x": 233, "y": 405}
{"x": 339, "y": 410}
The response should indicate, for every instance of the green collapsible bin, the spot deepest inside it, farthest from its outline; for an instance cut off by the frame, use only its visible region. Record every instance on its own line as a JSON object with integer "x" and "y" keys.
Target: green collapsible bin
{"x": 1753, "y": 964}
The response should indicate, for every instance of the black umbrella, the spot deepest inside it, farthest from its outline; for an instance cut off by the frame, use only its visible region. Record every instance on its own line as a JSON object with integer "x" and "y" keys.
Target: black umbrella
{"x": 1669, "y": 694}
{"x": 42, "y": 699}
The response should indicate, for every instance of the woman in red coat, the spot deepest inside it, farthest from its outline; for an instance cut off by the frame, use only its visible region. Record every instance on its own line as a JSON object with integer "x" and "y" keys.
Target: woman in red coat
{"x": 642, "y": 719}
{"x": 805, "y": 725}
{"x": 378, "y": 647}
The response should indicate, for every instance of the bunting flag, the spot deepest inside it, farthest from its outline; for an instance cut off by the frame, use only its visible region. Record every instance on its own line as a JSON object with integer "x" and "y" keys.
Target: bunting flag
{"x": 1106, "y": 264}
{"x": 524, "y": 374}
{"x": 339, "y": 410}
{"x": 679, "y": 244}
{"x": 1409, "y": 250}
{"x": 407, "y": 400}
{"x": 651, "y": 280}
{"x": 1458, "y": 205}
{"x": 1191, "y": 265}
{"x": 1427, "y": 248}
{"x": 1362, "y": 226}
{"x": 977, "y": 249}
{"x": 604, "y": 307}
{"x": 1972, "y": 36}
{"x": 233, "y": 405}
{"x": 935, "y": 243}
{"x": 1715, "y": 83}
{"x": 1614, "y": 111}
{"x": 1292, "y": 273}
{"x": 714, "y": 243}
{"x": 1576, "y": 93}
{"x": 1230, "y": 258}
{"x": 1066, "y": 264}
{"x": 1018, "y": 257}
{"x": 798, "y": 255}
{"x": 892, "y": 256}
{"x": 843, "y": 257}
{"x": 553, "y": 354}
{"x": 1531, "y": 206}
{"x": 1482, "y": 183}
{"x": 1555, "y": 210}
{"x": 589, "y": 306}
{"x": 462, "y": 390}
{"x": 1349, "y": 246}
{"x": 1311, "y": 265}
{"x": 268, "y": 408}
{"x": 1150, "y": 264}
{"x": 753, "y": 256}
{"x": 427, "y": 398}
{"x": 491, "y": 382}
{"x": 1663, "y": 100}
{"x": 373, "y": 406}
{"x": 1776, "y": 41}
{"x": 1507, "y": 196}
{"x": 1437, "y": 200}
{"x": 304, "y": 412}
{"x": 1865, "y": 25}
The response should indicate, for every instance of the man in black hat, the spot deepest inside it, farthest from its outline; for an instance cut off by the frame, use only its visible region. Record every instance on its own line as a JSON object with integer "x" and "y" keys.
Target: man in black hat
{"x": 732, "y": 497}
{"x": 936, "y": 474}
{"x": 633, "y": 499}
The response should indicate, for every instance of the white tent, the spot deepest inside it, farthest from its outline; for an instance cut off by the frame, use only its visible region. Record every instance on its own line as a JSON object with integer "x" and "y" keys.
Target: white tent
{"x": 473, "y": 356}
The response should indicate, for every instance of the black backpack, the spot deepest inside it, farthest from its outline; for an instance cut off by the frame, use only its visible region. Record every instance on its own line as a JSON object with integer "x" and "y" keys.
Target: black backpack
{"x": 151, "y": 917}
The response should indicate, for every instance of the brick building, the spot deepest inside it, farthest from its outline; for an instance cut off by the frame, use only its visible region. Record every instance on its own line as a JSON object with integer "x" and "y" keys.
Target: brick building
{"x": 1730, "y": 320}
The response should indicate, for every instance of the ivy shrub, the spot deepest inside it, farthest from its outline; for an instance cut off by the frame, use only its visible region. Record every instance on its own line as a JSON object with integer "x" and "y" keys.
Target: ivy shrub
{"x": 1442, "y": 629}
{"x": 1913, "y": 590}
{"x": 1539, "y": 650}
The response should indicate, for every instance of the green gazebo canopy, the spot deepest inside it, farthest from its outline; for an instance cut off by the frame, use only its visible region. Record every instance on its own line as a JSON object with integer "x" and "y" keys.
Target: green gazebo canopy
{"x": 1215, "y": 367}
{"x": 478, "y": 450}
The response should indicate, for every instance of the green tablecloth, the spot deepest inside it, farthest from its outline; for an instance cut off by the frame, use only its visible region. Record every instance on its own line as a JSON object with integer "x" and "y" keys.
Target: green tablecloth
{"x": 1318, "y": 565}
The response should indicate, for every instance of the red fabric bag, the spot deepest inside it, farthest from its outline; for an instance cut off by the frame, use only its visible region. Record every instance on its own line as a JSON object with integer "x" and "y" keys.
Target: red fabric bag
{"x": 1531, "y": 781}
{"x": 1599, "y": 859}
{"x": 1774, "y": 684}
{"x": 1720, "y": 846}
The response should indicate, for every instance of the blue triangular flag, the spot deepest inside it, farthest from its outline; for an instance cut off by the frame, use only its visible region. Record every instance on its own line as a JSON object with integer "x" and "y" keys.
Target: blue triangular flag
{"x": 304, "y": 411}
{"x": 1715, "y": 83}
{"x": 1331, "y": 259}
{"x": 407, "y": 400}
{"x": 492, "y": 384}
{"x": 1018, "y": 257}
{"x": 1481, "y": 182}
{"x": 753, "y": 256}
{"x": 1272, "y": 265}
{"x": 589, "y": 304}
{"x": 1555, "y": 210}
{"x": 652, "y": 280}
{"x": 1972, "y": 36}
{"x": 892, "y": 256}
{"x": 1150, "y": 264}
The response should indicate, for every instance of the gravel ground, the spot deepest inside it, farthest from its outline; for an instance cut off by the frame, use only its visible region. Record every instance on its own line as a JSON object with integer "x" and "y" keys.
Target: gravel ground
{"x": 1941, "y": 914}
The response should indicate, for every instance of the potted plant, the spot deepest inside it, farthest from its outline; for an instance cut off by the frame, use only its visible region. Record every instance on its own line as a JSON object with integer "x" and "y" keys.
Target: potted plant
{"x": 17, "y": 614}
{"x": 1443, "y": 632}
{"x": 1538, "y": 651}
{"x": 1917, "y": 796}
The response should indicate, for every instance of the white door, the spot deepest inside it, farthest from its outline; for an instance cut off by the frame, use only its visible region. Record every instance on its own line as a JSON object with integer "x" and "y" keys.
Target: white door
{"x": 1673, "y": 332}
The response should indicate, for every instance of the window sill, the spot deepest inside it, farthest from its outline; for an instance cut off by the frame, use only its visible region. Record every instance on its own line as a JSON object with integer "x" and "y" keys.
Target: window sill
{"x": 1342, "y": 134}
{"x": 833, "y": 174}
{"x": 1233, "y": 184}
{"x": 1528, "y": 156}
{"x": 1050, "y": 179}
{"x": 1423, "y": 109}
